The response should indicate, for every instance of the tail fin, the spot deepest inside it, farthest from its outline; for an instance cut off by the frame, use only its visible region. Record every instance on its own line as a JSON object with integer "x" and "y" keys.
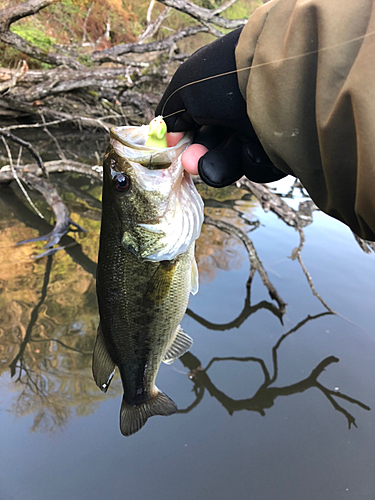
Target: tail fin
{"x": 134, "y": 417}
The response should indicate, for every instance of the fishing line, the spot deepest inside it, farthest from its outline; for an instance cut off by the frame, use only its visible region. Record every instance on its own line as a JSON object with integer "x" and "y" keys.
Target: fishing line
{"x": 253, "y": 66}
{"x": 175, "y": 112}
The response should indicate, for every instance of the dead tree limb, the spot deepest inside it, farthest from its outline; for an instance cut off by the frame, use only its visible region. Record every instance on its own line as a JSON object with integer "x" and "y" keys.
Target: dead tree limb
{"x": 141, "y": 48}
{"x": 30, "y": 147}
{"x": 366, "y": 246}
{"x": 22, "y": 108}
{"x": 153, "y": 27}
{"x": 63, "y": 220}
{"x": 58, "y": 81}
{"x": 12, "y": 14}
{"x": 205, "y": 16}
{"x": 56, "y": 166}
{"x": 270, "y": 201}
{"x": 13, "y": 80}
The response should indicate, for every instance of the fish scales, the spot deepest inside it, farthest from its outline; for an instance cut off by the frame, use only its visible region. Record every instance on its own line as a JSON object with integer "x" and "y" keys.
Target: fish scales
{"x": 146, "y": 271}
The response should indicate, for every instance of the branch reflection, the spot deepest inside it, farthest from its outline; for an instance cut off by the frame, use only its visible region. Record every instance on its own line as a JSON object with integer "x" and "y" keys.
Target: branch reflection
{"x": 266, "y": 394}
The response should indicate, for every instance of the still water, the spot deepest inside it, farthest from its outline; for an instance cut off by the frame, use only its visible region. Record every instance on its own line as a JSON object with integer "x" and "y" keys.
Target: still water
{"x": 273, "y": 405}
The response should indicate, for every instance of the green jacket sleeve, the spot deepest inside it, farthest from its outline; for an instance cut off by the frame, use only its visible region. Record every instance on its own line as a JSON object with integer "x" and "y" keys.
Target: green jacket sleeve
{"x": 310, "y": 96}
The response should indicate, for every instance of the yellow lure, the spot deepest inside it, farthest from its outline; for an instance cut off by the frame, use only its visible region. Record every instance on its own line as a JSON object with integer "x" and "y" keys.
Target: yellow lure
{"x": 157, "y": 133}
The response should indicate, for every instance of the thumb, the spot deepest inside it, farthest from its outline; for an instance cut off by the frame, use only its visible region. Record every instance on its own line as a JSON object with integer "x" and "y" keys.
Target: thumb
{"x": 222, "y": 165}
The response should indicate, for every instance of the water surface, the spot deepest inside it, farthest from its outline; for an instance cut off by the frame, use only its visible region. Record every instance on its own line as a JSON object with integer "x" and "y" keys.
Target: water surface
{"x": 273, "y": 405}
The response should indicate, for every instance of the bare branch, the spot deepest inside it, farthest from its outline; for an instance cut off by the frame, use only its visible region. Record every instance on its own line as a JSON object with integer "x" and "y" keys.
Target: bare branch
{"x": 152, "y": 28}
{"x": 16, "y": 12}
{"x": 9, "y": 104}
{"x": 94, "y": 171}
{"x": 223, "y": 7}
{"x": 141, "y": 48}
{"x": 57, "y": 81}
{"x": 17, "y": 179}
{"x": 85, "y": 22}
{"x": 203, "y": 15}
{"x": 31, "y": 50}
{"x": 30, "y": 147}
{"x": 17, "y": 74}
{"x": 13, "y": 14}
{"x": 63, "y": 220}
{"x": 367, "y": 246}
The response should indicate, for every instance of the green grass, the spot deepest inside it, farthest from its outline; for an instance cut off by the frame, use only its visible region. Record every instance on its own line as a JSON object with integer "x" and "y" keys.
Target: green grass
{"x": 34, "y": 35}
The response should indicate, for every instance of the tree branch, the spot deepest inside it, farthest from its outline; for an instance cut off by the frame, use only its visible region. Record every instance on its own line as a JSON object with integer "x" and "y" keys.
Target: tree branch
{"x": 141, "y": 48}
{"x": 30, "y": 147}
{"x": 205, "y": 15}
{"x": 15, "y": 13}
{"x": 152, "y": 28}
{"x": 93, "y": 171}
{"x": 12, "y": 14}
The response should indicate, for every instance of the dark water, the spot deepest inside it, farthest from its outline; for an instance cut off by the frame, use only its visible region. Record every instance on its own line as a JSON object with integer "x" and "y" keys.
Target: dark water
{"x": 272, "y": 406}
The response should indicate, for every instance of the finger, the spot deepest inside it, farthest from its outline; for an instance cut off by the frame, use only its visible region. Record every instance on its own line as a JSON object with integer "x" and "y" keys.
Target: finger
{"x": 222, "y": 165}
{"x": 191, "y": 156}
{"x": 173, "y": 138}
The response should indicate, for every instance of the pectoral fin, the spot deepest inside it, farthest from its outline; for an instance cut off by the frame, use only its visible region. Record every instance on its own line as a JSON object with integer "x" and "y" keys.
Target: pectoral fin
{"x": 103, "y": 367}
{"x": 194, "y": 278}
{"x": 134, "y": 417}
{"x": 181, "y": 344}
{"x": 161, "y": 282}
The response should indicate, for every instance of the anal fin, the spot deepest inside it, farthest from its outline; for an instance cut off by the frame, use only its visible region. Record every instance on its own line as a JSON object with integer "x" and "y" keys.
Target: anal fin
{"x": 103, "y": 368}
{"x": 181, "y": 344}
{"x": 134, "y": 417}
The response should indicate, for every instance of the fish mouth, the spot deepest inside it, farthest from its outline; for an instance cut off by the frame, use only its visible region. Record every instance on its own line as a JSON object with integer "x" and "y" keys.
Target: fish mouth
{"x": 130, "y": 143}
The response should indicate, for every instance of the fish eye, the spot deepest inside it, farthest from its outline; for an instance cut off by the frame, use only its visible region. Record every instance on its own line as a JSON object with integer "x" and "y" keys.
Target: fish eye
{"x": 121, "y": 183}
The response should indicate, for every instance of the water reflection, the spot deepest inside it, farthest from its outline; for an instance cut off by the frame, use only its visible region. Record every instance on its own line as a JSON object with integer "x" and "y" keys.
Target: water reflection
{"x": 266, "y": 395}
{"x": 49, "y": 312}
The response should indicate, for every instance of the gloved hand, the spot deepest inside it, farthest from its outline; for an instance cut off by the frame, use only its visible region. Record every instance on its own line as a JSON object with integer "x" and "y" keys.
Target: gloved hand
{"x": 216, "y": 110}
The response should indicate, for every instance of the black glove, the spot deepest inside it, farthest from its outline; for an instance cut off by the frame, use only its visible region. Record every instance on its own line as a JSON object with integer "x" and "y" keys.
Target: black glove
{"x": 216, "y": 109}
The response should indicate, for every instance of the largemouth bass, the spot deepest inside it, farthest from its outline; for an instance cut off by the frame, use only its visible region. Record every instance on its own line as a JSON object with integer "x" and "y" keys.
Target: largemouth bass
{"x": 151, "y": 217}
